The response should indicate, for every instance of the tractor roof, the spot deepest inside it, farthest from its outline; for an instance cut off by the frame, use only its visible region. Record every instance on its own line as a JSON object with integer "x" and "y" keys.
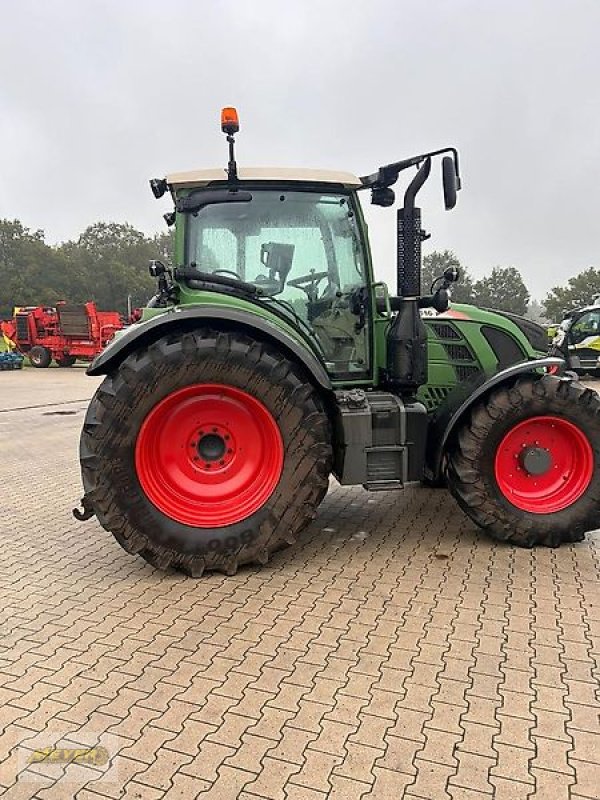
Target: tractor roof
{"x": 204, "y": 177}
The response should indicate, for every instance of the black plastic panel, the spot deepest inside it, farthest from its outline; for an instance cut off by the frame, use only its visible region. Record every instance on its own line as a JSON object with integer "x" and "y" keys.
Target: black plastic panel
{"x": 505, "y": 348}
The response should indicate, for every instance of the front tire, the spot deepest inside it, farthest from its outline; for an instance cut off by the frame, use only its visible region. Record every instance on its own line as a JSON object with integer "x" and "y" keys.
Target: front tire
{"x": 206, "y": 450}
{"x": 526, "y": 467}
{"x": 40, "y": 356}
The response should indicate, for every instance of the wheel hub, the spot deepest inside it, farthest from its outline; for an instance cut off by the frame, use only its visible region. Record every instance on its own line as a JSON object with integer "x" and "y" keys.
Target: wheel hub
{"x": 544, "y": 464}
{"x": 211, "y": 447}
{"x": 209, "y": 455}
{"x": 535, "y": 460}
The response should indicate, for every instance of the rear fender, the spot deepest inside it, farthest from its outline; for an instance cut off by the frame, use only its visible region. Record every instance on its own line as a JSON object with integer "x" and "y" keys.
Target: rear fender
{"x": 143, "y": 333}
{"x": 449, "y": 416}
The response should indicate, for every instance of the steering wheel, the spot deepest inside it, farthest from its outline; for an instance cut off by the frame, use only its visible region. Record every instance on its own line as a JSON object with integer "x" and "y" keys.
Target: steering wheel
{"x": 227, "y": 272}
{"x": 308, "y": 283}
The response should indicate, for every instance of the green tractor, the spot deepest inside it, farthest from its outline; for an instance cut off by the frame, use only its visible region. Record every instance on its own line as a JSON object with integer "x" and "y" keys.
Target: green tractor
{"x": 270, "y": 359}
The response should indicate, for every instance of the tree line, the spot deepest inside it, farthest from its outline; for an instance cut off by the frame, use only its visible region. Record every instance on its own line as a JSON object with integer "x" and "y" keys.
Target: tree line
{"x": 504, "y": 288}
{"x": 109, "y": 262}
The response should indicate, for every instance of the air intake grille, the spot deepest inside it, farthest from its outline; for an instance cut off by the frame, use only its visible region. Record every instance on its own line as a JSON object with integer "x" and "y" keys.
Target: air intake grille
{"x": 433, "y": 396}
{"x": 458, "y": 352}
{"x": 445, "y": 331}
{"x": 465, "y": 372}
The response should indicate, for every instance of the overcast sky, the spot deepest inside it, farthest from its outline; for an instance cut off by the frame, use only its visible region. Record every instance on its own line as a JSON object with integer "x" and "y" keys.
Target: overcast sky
{"x": 98, "y": 96}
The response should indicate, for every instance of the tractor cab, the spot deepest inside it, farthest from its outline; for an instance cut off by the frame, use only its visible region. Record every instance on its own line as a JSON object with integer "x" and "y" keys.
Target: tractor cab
{"x": 290, "y": 241}
{"x": 293, "y": 243}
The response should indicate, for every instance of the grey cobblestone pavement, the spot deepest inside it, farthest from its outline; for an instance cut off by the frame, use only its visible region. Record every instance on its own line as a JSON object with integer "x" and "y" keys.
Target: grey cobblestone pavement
{"x": 394, "y": 652}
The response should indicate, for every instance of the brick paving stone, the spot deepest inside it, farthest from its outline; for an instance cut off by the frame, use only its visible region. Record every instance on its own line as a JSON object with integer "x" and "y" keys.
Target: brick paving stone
{"x": 250, "y": 755}
{"x": 293, "y": 743}
{"x": 159, "y": 773}
{"x": 506, "y": 789}
{"x": 358, "y": 762}
{"x": 587, "y": 746}
{"x": 550, "y": 785}
{"x": 184, "y": 787}
{"x": 316, "y": 770}
{"x": 431, "y": 780}
{"x": 390, "y": 783}
{"x": 347, "y": 788}
{"x": 293, "y": 792}
{"x": 513, "y": 763}
{"x": 349, "y": 667}
{"x": 586, "y": 780}
{"x": 272, "y": 779}
{"x": 473, "y": 772}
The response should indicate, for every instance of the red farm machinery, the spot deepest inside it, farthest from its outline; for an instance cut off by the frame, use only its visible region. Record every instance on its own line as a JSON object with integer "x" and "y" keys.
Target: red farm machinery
{"x": 63, "y": 333}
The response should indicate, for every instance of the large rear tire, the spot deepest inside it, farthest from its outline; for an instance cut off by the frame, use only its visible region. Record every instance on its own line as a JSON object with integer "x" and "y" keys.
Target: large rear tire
{"x": 205, "y": 450}
{"x": 526, "y": 466}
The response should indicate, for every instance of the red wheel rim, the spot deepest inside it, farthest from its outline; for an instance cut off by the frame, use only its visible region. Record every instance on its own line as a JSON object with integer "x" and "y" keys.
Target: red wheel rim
{"x": 209, "y": 455}
{"x": 544, "y": 464}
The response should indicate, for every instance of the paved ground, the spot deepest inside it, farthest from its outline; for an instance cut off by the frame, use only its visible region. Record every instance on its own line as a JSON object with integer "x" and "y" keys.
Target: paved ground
{"x": 394, "y": 652}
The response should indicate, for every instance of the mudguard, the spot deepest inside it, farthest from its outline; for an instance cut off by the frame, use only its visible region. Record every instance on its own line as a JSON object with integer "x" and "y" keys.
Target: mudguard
{"x": 448, "y": 417}
{"x": 188, "y": 318}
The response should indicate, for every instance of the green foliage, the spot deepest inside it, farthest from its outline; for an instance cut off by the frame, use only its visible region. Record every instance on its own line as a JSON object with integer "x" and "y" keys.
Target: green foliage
{"x": 29, "y": 268}
{"x": 502, "y": 289}
{"x": 107, "y": 263}
{"x": 578, "y": 292}
{"x": 434, "y": 265}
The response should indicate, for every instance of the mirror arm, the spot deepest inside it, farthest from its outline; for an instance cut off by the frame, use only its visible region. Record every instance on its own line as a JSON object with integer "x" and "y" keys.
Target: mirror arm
{"x": 416, "y": 184}
{"x": 388, "y": 174}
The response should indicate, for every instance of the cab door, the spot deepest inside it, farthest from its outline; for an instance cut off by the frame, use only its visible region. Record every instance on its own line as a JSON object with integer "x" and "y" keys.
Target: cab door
{"x": 584, "y": 341}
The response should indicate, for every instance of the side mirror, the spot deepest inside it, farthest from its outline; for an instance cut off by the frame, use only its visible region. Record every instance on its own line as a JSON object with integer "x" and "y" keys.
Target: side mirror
{"x": 451, "y": 274}
{"x": 441, "y": 300}
{"x": 383, "y": 196}
{"x": 156, "y": 269}
{"x": 449, "y": 181}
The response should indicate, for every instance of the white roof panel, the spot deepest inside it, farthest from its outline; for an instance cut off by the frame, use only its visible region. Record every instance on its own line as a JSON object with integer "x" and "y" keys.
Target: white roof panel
{"x": 202, "y": 177}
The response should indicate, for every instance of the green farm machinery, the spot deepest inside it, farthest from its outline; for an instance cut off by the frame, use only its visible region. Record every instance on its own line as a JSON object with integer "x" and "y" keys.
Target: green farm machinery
{"x": 271, "y": 358}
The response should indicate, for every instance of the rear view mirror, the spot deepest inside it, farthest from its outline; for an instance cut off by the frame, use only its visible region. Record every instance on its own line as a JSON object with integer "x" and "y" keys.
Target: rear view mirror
{"x": 449, "y": 181}
{"x": 451, "y": 274}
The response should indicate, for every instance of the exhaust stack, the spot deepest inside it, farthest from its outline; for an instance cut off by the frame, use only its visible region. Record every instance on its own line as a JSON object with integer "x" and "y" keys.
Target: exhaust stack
{"x": 407, "y": 337}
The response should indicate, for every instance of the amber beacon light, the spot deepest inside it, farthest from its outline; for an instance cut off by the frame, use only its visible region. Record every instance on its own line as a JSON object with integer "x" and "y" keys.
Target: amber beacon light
{"x": 229, "y": 120}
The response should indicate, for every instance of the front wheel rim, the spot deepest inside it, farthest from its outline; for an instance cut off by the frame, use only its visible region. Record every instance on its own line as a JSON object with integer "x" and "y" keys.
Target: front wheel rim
{"x": 544, "y": 464}
{"x": 209, "y": 455}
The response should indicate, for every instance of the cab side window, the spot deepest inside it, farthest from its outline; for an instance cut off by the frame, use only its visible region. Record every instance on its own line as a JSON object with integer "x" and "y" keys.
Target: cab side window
{"x": 588, "y": 324}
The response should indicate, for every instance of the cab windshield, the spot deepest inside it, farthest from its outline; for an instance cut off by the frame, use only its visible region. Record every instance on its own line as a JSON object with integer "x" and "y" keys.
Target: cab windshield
{"x": 303, "y": 250}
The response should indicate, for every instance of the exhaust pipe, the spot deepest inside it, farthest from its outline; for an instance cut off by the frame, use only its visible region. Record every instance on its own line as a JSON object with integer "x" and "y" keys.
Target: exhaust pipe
{"x": 407, "y": 337}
